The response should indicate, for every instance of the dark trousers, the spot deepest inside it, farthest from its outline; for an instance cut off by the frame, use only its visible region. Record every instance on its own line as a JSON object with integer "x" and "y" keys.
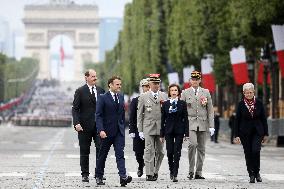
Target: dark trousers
{"x": 85, "y": 140}
{"x": 174, "y": 146}
{"x": 252, "y": 146}
{"x": 138, "y": 148}
{"x": 216, "y": 133}
{"x": 232, "y": 135}
{"x": 118, "y": 143}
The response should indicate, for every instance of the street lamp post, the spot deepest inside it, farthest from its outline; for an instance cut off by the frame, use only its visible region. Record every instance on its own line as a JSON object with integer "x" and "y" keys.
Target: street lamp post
{"x": 270, "y": 64}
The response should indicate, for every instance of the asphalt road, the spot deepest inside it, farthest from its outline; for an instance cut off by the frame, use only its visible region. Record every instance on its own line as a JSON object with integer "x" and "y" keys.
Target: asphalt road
{"x": 42, "y": 157}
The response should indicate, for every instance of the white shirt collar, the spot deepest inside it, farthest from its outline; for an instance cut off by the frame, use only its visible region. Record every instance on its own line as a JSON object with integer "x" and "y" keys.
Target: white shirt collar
{"x": 90, "y": 87}
{"x": 157, "y": 93}
{"x": 194, "y": 89}
{"x": 172, "y": 100}
{"x": 112, "y": 93}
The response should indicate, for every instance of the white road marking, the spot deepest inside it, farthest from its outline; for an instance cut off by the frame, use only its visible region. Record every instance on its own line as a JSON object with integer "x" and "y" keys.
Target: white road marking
{"x": 32, "y": 142}
{"x": 273, "y": 177}
{"x": 31, "y": 156}
{"x": 210, "y": 158}
{"x": 134, "y": 175}
{"x": 73, "y": 156}
{"x": 113, "y": 157}
{"x": 76, "y": 145}
{"x": 39, "y": 179}
{"x": 13, "y": 174}
{"x": 76, "y": 174}
{"x": 213, "y": 176}
{"x": 6, "y": 142}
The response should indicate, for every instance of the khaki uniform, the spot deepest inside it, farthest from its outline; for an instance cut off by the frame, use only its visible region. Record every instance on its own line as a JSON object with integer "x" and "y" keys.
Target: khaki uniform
{"x": 200, "y": 118}
{"x": 149, "y": 122}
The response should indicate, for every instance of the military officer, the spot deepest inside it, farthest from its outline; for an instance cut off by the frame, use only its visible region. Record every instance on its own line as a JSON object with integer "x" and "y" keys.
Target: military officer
{"x": 138, "y": 143}
{"x": 200, "y": 118}
{"x": 149, "y": 126}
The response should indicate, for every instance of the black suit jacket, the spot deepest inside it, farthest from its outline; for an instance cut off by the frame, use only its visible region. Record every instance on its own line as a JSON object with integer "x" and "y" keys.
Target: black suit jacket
{"x": 84, "y": 107}
{"x": 245, "y": 123}
{"x": 174, "y": 123}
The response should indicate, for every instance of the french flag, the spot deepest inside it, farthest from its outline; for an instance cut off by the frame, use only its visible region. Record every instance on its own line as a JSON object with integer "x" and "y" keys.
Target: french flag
{"x": 208, "y": 79}
{"x": 278, "y": 36}
{"x": 239, "y": 65}
{"x": 186, "y": 76}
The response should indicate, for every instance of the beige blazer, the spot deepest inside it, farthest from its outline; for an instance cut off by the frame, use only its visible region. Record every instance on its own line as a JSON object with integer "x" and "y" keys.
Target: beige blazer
{"x": 149, "y": 113}
{"x": 199, "y": 115}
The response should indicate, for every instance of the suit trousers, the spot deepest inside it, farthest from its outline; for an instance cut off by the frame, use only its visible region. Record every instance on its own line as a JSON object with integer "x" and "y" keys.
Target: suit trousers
{"x": 118, "y": 143}
{"x": 174, "y": 146}
{"x": 85, "y": 141}
{"x": 153, "y": 154}
{"x": 197, "y": 140}
{"x": 252, "y": 146}
{"x": 138, "y": 148}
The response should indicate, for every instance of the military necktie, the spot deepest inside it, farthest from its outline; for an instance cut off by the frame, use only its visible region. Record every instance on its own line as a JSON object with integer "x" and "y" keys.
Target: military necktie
{"x": 155, "y": 96}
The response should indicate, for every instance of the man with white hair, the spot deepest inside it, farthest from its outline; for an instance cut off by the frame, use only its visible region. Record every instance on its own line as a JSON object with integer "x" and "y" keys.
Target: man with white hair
{"x": 138, "y": 143}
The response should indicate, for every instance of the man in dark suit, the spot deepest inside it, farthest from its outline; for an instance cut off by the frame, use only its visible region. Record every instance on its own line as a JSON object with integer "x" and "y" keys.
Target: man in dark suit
{"x": 83, "y": 112}
{"x": 138, "y": 143}
{"x": 110, "y": 119}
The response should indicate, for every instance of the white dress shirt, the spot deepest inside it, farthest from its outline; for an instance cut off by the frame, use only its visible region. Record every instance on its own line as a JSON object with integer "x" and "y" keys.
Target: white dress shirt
{"x": 113, "y": 97}
{"x": 95, "y": 90}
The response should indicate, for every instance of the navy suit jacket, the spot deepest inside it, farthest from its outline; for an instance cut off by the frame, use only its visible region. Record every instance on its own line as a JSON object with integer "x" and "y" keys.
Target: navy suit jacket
{"x": 174, "y": 123}
{"x": 110, "y": 118}
{"x": 245, "y": 123}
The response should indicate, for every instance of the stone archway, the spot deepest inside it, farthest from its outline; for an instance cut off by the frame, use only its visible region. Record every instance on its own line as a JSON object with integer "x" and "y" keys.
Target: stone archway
{"x": 62, "y": 17}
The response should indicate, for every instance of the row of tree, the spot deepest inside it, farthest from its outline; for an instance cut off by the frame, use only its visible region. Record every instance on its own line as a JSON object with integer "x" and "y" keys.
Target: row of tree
{"x": 16, "y": 77}
{"x": 165, "y": 35}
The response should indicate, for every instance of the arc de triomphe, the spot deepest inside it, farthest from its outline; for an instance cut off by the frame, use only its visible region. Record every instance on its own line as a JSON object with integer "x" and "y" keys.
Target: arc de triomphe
{"x": 62, "y": 17}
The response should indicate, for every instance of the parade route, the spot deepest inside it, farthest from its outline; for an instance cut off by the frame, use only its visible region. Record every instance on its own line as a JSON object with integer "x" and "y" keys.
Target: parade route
{"x": 43, "y": 157}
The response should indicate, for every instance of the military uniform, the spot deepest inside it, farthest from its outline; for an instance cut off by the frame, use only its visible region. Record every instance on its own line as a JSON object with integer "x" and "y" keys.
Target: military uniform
{"x": 149, "y": 123}
{"x": 200, "y": 118}
{"x": 138, "y": 143}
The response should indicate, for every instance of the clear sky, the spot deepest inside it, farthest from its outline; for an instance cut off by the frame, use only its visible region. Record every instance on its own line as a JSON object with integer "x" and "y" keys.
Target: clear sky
{"x": 12, "y": 10}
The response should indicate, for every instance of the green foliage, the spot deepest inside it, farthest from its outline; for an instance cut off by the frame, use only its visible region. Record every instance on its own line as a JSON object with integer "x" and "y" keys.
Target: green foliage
{"x": 182, "y": 31}
{"x": 16, "y": 77}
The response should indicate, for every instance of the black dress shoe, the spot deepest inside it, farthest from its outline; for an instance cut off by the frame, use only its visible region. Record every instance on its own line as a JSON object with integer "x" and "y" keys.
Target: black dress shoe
{"x": 171, "y": 176}
{"x": 150, "y": 178}
{"x": 258, "y": 178}
{"x": 252, "y": 179}
{"x": 198, "y": 177}
{"x": 190, "y": 176}
{"x": 140, "y": 172}
{"x": 156, "y": 176}
{"x": 104, "y": 178}
{"x": 175, "y": 179}
{"x": 125, "y": 181}
{"x": 99, "y": 181}
{"x": 85, "y": 178}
